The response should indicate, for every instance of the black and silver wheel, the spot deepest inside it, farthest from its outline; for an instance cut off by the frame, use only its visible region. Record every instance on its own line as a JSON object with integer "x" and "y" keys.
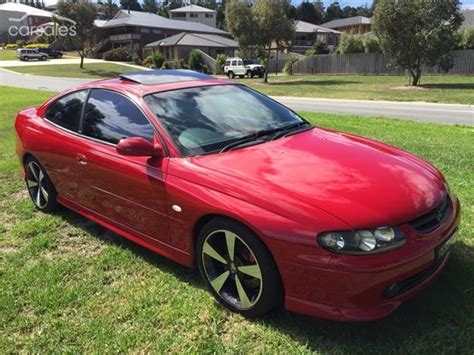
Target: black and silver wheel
{"x": 39, "y": 186}
{"x": 237, "y": 268}
{"x": 231, "y": 75}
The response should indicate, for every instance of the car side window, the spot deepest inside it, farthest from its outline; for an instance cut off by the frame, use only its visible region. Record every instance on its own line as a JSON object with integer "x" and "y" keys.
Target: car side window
{"x": 66, "y": 112}
{"x": 110, "y": 117}
{"x": 233, "y": 63}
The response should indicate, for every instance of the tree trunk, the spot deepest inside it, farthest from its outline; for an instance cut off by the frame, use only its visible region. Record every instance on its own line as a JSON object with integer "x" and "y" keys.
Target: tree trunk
{"x": 265, "y": 76}
{"x": 415, "y": 74}
{"x": 82, "y": 54}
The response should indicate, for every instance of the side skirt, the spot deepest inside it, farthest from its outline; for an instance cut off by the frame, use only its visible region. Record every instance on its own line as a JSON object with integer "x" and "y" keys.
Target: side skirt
{"x": 154, "y": 245}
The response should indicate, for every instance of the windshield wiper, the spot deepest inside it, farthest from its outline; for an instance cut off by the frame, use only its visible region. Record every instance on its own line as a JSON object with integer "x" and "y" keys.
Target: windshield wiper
{"x": 293, "y": 129}
{"x": 251, "y": 138}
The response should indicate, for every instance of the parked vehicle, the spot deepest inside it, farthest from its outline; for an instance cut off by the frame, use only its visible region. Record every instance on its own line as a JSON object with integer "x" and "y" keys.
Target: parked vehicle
{"x": 271, "y": 209}
{"x": 51, "y": 52}
{"x": 27, "y": 54}
{"x": 243, "y": 67}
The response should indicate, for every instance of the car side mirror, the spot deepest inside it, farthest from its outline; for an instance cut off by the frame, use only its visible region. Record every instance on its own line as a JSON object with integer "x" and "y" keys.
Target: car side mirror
{"x": 139, "y": 147}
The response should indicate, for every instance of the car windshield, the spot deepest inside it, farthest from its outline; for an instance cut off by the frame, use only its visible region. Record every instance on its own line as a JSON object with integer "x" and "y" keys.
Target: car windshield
{"x": 207, "y": 119}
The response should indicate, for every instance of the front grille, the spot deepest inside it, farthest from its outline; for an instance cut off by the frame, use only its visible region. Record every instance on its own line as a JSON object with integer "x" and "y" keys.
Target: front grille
{"x": 432, "y": 220}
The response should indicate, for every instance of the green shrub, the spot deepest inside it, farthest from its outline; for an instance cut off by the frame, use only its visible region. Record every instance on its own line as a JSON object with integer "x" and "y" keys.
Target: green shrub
{"x": 288, "y": 67}
{"x": 220, "y": 61}
{"x": 116, "y": 55}
{"x": 20, "y": 43}
{"x": 350, "y": 44}
{"x": 157, "y": 59}
{"x": 467, "y": 39}
{"x": 136, "y": 58}
{"x": 171, "y": 64}
{"x": 148, "y": 62}
{"x": 195, "y": 61}
{"x": 10, "y": 46}
{"x": 37, "y": 45}
{"x": 371, "y": 45}
{"x": 310, "y": 52}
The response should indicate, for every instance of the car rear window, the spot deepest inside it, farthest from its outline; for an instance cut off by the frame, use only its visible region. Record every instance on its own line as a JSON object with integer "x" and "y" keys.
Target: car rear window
{"x": 66, "y": 112}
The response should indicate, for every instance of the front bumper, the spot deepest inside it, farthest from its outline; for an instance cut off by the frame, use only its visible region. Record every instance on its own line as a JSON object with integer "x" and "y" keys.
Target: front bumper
{"x": 355, "y": 288}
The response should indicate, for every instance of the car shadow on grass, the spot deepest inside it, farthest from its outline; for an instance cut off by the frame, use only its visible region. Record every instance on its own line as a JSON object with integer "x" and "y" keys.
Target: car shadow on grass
{"x": 108, "y": 237}
{"x": 436, "y": 320}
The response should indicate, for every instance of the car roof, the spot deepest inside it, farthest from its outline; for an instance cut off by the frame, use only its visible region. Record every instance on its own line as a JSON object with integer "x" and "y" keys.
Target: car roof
{"x": 145, "y": 82}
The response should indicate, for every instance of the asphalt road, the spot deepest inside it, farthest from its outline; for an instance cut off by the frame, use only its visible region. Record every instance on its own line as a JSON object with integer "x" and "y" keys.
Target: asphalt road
{"x": 414, "y": 111}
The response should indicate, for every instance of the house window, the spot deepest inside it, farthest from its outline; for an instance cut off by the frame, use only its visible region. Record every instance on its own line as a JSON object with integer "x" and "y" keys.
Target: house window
{"x": 156, "y": 32}
{"x": 144, "y": 30}
{"x": 193, "y": 15}
{"x": 179, "y": 14}
{"x": 209, "y": 15}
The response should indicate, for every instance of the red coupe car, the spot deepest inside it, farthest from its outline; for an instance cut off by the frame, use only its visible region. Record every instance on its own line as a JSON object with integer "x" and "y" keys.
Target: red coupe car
{"x": 271, "y": 209}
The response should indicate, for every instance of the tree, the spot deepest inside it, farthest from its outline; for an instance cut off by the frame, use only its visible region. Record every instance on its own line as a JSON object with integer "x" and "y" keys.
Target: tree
{"x": 110, "y": 9}
{"x": 263, "y": 26}
{"x": 306, "y": 11}
{"x": 334, "y": 12}
{"x": 417, "y": 32}
{"x": 133, "y": 5}
{"x": 150, "y": 6}
{"x": 83, "y": 14}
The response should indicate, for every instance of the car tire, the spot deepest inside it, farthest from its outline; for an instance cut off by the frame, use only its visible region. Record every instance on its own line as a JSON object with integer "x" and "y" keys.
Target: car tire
{"x": 249, "y": 74}
{"x": 231, "y": 75}
{"x": 43, "y": 58}
{"x": 248, "y": 282}
{"x": 26, "y": 59}
{"x": 39, "y": 185}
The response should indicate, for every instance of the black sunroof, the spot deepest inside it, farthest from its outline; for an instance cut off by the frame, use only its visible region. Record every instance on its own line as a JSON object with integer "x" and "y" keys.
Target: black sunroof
{"x": 163, "y": 76}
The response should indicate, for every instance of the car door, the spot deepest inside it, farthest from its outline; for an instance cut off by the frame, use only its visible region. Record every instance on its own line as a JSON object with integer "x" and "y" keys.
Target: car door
{"x": 130, "y": 191}
{"x": 58, "y": 145}
{"x": 240, "y": 69}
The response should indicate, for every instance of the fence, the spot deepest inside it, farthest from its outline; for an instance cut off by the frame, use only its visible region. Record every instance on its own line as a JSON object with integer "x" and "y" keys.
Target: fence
{"x": 277, "y": 62}
{"x": 373, "y": 63}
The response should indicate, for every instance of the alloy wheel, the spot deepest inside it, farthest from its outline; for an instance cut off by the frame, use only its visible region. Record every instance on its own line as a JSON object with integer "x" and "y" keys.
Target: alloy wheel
{"x": 36, "y": 183}
{"x": 232, "y": 269}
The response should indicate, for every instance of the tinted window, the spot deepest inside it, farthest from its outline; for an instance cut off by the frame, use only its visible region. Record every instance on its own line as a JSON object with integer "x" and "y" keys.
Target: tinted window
{"x": 234, "y": 62}
{"x": 66, "y": 112}
{"x": 111, "y": 117}
{"x": 204, "y": 120}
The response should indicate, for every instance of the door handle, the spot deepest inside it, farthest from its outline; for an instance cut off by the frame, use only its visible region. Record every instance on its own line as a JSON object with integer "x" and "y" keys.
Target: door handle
{"x": 81, "y": 159}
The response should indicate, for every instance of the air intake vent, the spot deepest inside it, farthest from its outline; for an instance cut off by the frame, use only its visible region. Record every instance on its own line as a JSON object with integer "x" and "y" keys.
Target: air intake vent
{"x": 432, "y": 220}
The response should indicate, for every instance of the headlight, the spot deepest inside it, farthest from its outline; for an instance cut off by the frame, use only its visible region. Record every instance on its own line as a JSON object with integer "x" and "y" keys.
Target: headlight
{"x": 363, "y": 241}
{"x": 450, "y": 191}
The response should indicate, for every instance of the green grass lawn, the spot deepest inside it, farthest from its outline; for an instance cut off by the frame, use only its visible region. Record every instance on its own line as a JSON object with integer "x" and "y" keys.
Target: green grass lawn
{"x": 91, "y": 70}
{"x": 441, "y": 88}
{"x": 68, "y": 285}
{"x": 7, "y": 54}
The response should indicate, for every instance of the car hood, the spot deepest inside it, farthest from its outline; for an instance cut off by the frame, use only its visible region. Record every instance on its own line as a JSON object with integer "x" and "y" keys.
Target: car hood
{"x": 253, "y": 66}
{"x": 362, "y": 182}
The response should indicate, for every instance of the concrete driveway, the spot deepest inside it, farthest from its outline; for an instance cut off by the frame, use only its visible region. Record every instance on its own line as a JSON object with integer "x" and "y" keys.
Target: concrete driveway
{"x": 413, "y": 111}
{"x": 64, "y": 60}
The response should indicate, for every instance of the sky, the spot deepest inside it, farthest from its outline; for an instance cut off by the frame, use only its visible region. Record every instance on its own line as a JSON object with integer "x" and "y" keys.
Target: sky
{"x": 466, "y": 3}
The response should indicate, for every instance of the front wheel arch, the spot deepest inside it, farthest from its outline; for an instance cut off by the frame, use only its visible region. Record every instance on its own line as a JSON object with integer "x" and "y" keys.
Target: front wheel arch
{"x": 203, "y": 220}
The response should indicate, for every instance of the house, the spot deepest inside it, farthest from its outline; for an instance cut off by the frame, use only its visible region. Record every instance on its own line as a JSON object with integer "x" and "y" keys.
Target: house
{"x": 134, "y": 29}
{"x": 356, "y": 25}
{"x": 307, "y": 35}
{"x": 468, "y": 18}
{"x": 179, "y": 46}
{"x": 23, "y": 18}
{"x": 194, "y": 13}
